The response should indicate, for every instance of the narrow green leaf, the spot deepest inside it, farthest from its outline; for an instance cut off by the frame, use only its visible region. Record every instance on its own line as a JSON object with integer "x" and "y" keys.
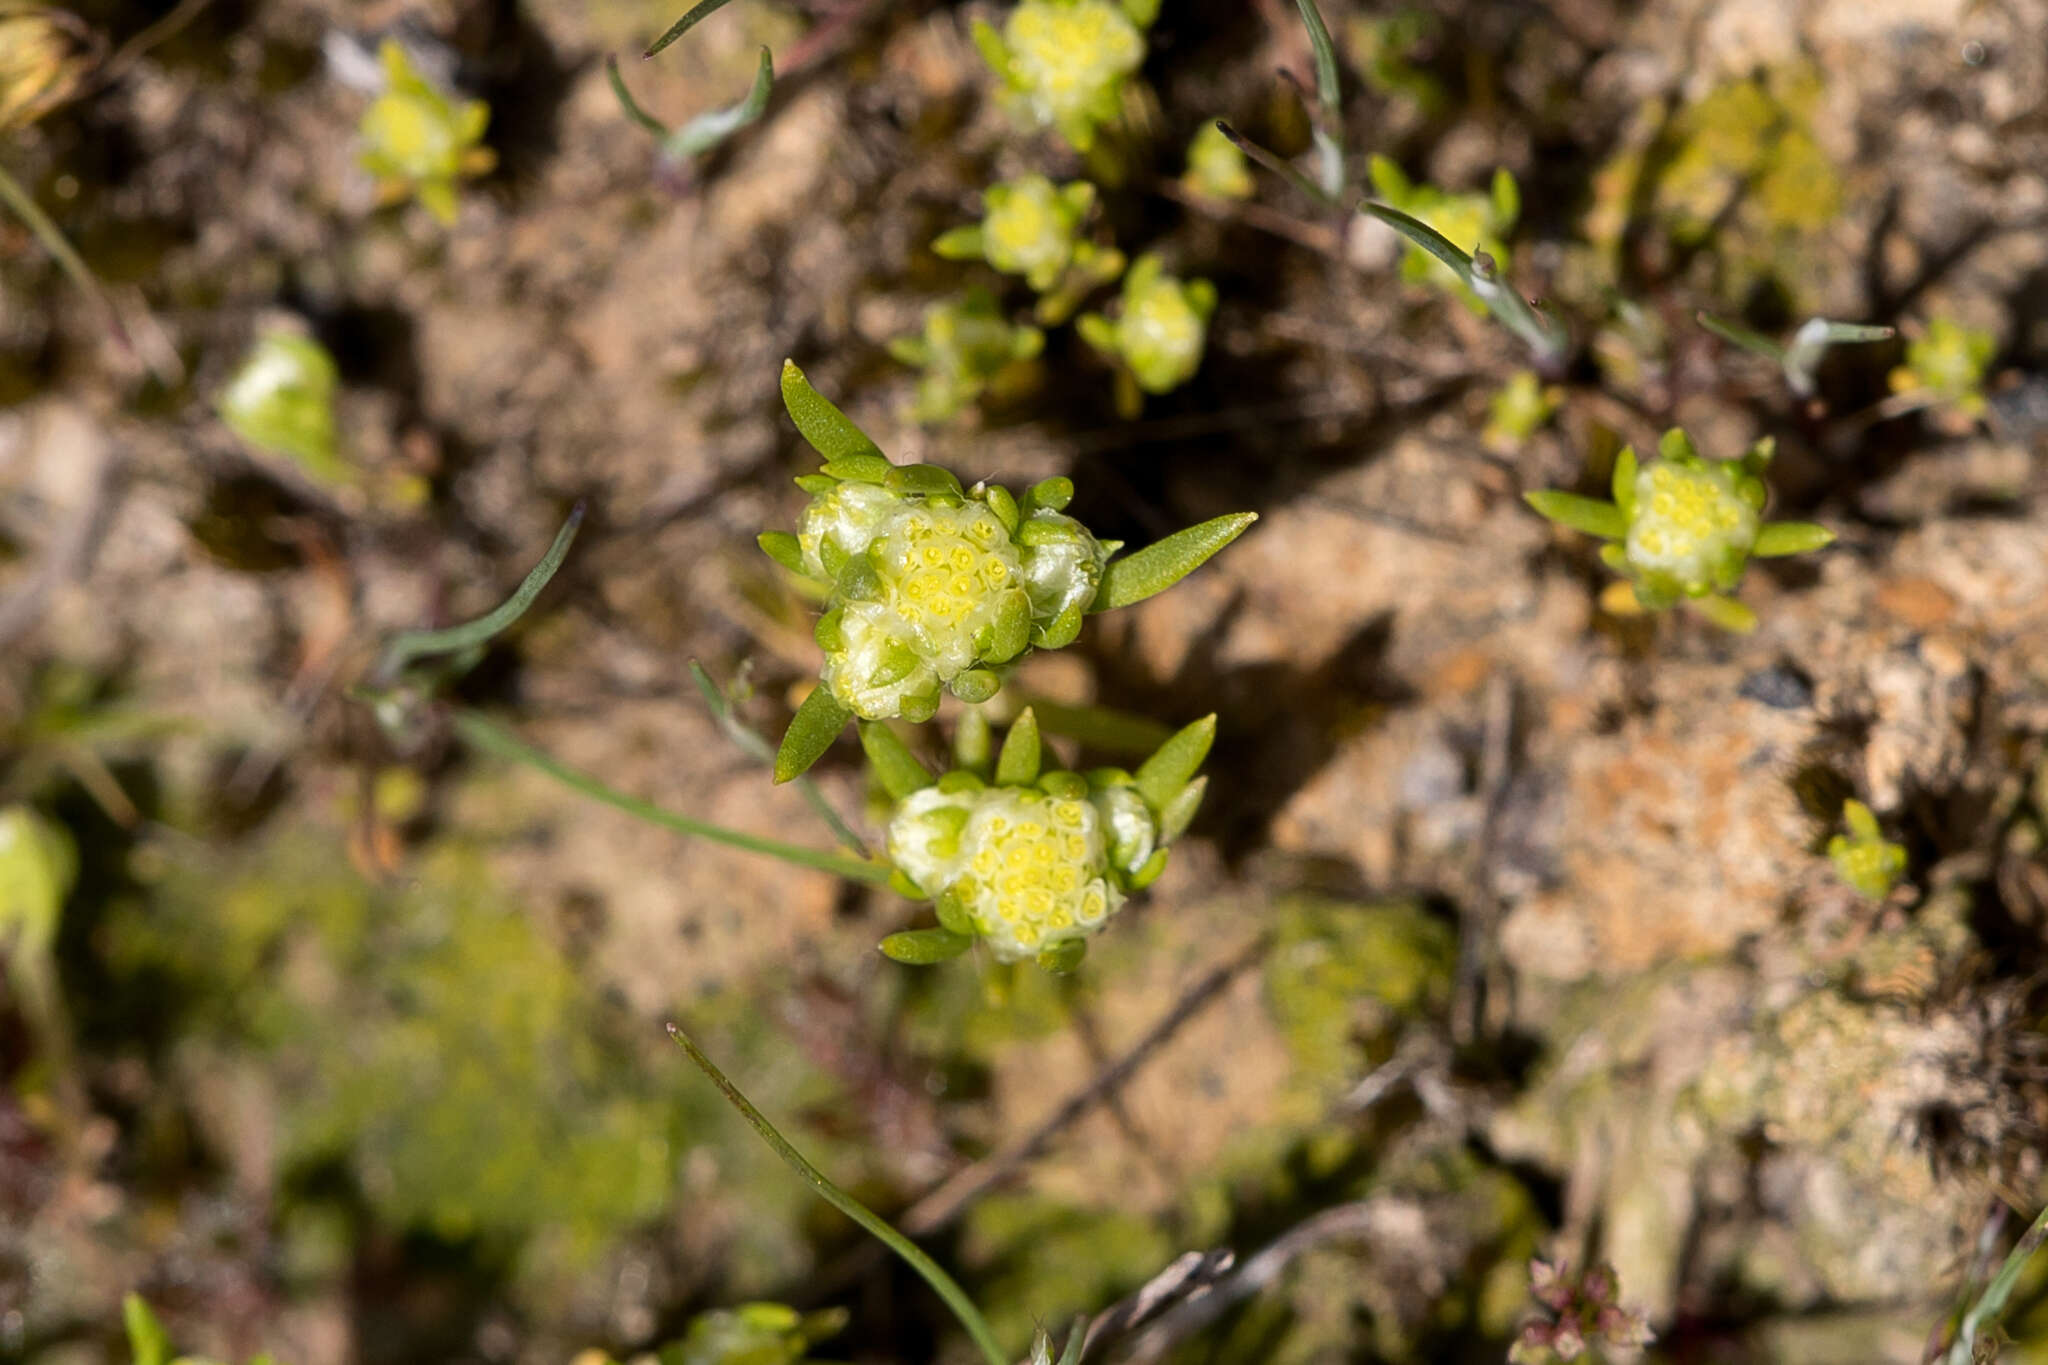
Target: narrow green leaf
{"x": 1149, "y": 870}
{"x": 972, "y": 743}
{"x": 1062, "y": 958}
{"x": 714, "y": 126}
{"x": 959, "y": 244}
{"x": 831, "y": 433}
{"x": 859, "y": 468}
{"x": 1595, "y": 518}
{"x": 784, "y": 549}
{"x": 1164, "y": 563}
{"x": 1779, "y": 538}
{"x": 1329, "y": 120}
{"x": 815, "y": 484}
{"x": 1017, "y": 766}
{"x": 1001, "y": 502}
{"x": 923, "y": 947}
{"x": 895, "y": 767}
{"x": 1161, "y": 777}
{"x": 1736, "y": 334}
{"x": 944, "y": 1285}
{"x": 1312, "y": 188}
{"x": 628, "y": 103}
{"x": 1177, "y": 814}
{"x": 697, "y": 15}
{"x": 1982, "y": 1317}
{"x": 1727, "y": 613}
{"x": 811, "y": 731}
{"x": 1010, "y": 634}
{"x": 1624, "y": 482}
{"x": 928, "y": 479}
{"x": 420, "y": 644}
{"x": 1426, "y": 237}
{"x": 148, "y": 1343}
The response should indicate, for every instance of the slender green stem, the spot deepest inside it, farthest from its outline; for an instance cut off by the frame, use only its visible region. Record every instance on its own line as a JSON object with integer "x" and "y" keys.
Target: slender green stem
{"x": 493, "y": 739}
{"x": 943, "y": 1284}
{"x": 1984, "y": 1314}
{"x": 755, "y": 747}
{"x": 417, "y": 644}
{"x": 52, "y": 237}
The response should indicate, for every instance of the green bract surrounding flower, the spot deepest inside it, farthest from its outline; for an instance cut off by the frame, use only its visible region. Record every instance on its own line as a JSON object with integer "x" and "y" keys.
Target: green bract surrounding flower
{"x": 1685, "y": 527}
{"x": 282, "y": 401}
{"x": 417, "y": 141}
{"x": 1160, "y": 329}
{"x": 967, "y": 347}
{"x": 1217, "y": 167}
{"x": 930, "y": 585}
{"x": 1948, "y": 364}
{"x": 1474, "y": 223}
{"x": 1067, "y": 60}
{"x": 1037, "y": 861}
{"x": 1863, "y": 857}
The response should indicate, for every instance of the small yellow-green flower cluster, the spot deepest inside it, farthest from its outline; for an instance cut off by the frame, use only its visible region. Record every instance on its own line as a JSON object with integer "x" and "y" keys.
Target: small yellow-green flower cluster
{"x": 1066, "y": 61}
{"x": 967, "y": 348}
{"x": 45, "y": 56}
{"x": 1863, "y": 858}
{"x": 1160, "y": 329}
{"x": 1948, "y": 364}
{"x": 931, "y": 583}
{"x": 1034, "y": 228}
{"x": 1682, "y": 527}
{"x": 417, "y": 141}
{"x": 1471, "y": 222}
{"x": 38, "y": 864}
{"x": 1033, "y": 862}
{"x": 282, "y": 400}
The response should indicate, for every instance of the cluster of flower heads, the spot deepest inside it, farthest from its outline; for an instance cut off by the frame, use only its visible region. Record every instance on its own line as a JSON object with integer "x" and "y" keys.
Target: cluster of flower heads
{"x": 419, "y": 142}
{"x": 1065, "y": 62}
{"x": 1027, "y": 860}
{"x": 1684, "y": 528}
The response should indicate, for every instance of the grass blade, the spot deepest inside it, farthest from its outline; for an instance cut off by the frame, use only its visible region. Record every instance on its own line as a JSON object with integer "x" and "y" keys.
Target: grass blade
{"x": 697, "y": 15}
{"x": 942, "y": 1284}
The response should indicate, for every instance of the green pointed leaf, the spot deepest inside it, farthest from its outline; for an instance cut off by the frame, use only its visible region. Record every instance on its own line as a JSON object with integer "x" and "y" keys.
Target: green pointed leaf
{"x": 1053, "y": 494}
{"x": 784, "y": 549}
{"x": 1595, "y": 518}
{"x": 1736, "y": 334}
{"x": 928, "y": 479}
{"x": 1176, "y": 815}
{"x": 1010, "y": 635}
{"x": 960, "y": 244}
{"x": 1779, "y": 538}
{"x": 859, "y": 468}
{"x": 1063, "y": 957}
{"x": 1018, "y": 764}
{"x": 923, "y": 947}
{"x": 1727, "y": 613}
{"x": 831, "y": 433}
{"x": 1676, "y": 445}
{"x": 902, "y": 885}
{"x": 1161, "y": 777}
{"x": 628, "y": 103}
{"x": 894, "y": 766}
{"x": 816, "y": 484}
{"x": 972, "y": 743}
{"x": 1862, "y": 821}
{"x": 976, "y": 685}
{"x": 1624, "y": 482}
{"x": 811, "y": 732}
{"x": 1004, "y": 505}
{"x": 1164, "y": 563}
{"x": 148, "y": 1343}
{"x": 698, "y": 14}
